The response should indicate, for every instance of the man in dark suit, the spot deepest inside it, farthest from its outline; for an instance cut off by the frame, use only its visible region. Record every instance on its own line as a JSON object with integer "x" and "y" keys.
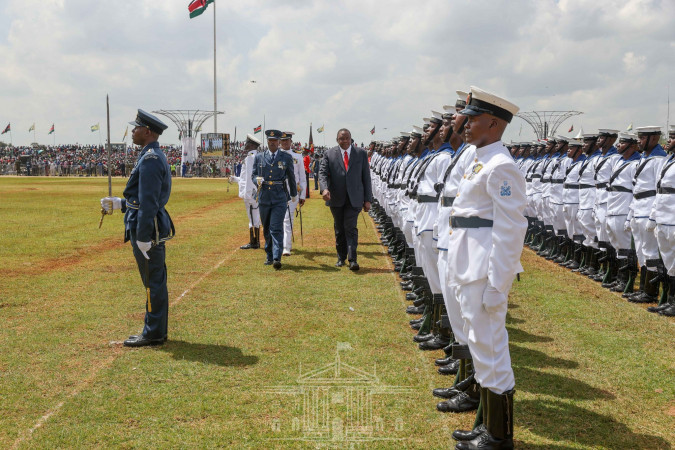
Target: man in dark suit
{"x": 344, "y": 179}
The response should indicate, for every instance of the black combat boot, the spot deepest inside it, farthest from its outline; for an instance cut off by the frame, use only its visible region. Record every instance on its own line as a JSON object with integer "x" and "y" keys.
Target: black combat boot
{"x": 650, "y": 293}
{"x": 630, "y": 293}
{"x": 478, "y": 424}
{"x": 499, "y": 432}
{"x": 251, "y": 240}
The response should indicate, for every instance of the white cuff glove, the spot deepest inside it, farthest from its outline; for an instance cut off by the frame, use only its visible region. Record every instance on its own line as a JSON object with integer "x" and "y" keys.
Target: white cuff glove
{"x": 626, "y": 226}
{"x": 651, "y": 225}
{"x": 144, "y": 247}
{"x": 493, "y": 300}
{"x": 294, "y": 199}
{"x": 109, "y": 204}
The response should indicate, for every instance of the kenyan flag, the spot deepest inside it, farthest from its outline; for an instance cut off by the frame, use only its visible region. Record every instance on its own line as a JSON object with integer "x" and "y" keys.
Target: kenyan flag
{"x": 7, "y": 128}
{"x": 51, "y": 130}
{"x": 256, "y": 130}
{"x": 196, "y": 7}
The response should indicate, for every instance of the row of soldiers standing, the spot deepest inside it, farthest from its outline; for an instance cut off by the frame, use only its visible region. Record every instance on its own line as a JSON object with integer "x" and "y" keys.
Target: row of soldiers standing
{"x": 452, "y": 215}
{"x": 606, "y": 211}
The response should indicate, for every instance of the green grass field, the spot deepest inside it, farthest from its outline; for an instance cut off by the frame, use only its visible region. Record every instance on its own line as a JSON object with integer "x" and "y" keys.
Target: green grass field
{"x": 307, "y": 357}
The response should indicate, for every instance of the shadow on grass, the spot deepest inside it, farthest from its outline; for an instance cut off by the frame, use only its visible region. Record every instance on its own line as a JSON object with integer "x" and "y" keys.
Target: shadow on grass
{"x": 308, "y": 267}
{"x": 534, "y": 381}
{"x": 581, "y": 426}
{"x": 523, "y": 356}
{"x": 221, "y": 355}
{"x": 367, "y": 270}
{"x": 518, "y": 335}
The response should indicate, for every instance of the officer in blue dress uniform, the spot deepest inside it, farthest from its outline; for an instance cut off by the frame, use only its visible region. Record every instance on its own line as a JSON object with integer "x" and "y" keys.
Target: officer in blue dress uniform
{"x": 148, "y": 225}
{"x": 271, "y": 169}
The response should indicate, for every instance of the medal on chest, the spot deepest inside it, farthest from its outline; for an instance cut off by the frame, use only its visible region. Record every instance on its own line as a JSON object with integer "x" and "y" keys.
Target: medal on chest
{"x": 474, "y": 170}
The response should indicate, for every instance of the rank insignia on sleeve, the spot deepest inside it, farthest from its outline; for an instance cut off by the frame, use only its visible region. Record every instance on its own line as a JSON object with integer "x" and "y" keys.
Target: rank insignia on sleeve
{"x": 505, "y": 190}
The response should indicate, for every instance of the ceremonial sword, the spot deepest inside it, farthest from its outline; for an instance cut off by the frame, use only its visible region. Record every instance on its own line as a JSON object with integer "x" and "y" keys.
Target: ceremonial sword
{"x": 103, "y": 210}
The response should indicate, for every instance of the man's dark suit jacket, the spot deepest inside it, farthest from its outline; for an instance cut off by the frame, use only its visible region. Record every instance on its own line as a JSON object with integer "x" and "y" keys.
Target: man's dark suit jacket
{"x": 351, "y": 186}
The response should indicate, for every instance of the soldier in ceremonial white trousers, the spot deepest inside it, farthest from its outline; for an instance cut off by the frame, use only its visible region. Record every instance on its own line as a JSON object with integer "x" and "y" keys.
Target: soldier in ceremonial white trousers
{"x": 247, "y": 192}
{"x": 488, "y": 228}
{"x": 644, "y": 193}
{"x": 299, "y": 169}
{"x": 662, "y": 219}
{"x": 619, "y": 197}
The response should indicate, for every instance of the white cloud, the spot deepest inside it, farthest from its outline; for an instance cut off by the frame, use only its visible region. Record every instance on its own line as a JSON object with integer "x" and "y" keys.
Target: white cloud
{"x": 352, "y": 63}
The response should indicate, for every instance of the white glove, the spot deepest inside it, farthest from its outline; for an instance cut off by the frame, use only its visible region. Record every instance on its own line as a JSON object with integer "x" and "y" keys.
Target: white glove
{"x": 564, "y": 208}
{"x": 651, "y": 225}
{"x": 259, "y": 180}
{"x": 626, "y": 226}
{"x": 294, "y": 199}
{"x": 109, "y": 204}
{"x": 144, "y": 247}
{"x": 493, "y": 300}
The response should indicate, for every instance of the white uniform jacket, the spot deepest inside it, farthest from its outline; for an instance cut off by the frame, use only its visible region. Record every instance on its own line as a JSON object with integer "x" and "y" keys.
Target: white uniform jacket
{"x": 492, "y": 188}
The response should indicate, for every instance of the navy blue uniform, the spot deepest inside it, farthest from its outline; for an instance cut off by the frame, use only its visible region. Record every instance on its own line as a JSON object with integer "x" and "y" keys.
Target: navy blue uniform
{"x": 277, "y": 170}
{"x": 145, "y": 219}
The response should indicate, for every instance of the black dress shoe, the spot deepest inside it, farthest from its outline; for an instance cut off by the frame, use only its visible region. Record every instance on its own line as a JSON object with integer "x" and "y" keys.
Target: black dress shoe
{"x": 276, "y": 264}
{"x": 462, "y": 402}
{"x": 353, "y": 266}
{"x": 451, "y": 392}
{"x": 443, "y": 361}
{"x": 656, "y": 309}
{"x": 450, "y": 369}
{"x": 668, "y": 312}
{"x": 423, "y": 337}
{"x": 416, "y": 326}
{"x": 136, "y": 336}
{"x": 464, "y": 435}
{"x": 268, "y": 262}
{"x": 411, "y": 296}
{"x": 415, "y": 310}
{"x": 340, "y": 263}
{"x": 141, "y": 341}
{"x": 436, "y": 343}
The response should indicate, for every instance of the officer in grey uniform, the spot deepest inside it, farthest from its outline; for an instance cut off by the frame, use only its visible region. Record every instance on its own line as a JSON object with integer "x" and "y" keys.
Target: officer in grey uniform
{"x": 148, "y": 225}
{"x": 272, "y": 172}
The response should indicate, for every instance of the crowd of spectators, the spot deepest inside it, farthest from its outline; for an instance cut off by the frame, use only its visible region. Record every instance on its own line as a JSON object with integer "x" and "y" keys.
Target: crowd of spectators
{"x": 92, "y": 160}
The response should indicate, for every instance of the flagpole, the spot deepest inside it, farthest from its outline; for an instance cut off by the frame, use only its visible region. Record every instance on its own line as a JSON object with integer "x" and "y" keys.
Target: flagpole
{"x": 263, "y": 136}
{"x": 215, "y": 103}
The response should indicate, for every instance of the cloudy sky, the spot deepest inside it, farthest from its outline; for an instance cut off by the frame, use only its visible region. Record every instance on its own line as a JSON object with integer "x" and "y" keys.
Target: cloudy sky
{"x": 341, "y": 63}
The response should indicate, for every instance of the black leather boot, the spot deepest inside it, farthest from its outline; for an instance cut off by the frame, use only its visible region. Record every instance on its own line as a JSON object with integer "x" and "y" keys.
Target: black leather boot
{"x": 478, "y": 424}
{"x": 650, "y": 292}
{"x": 256, "y": 238}
{"x": 464, "y": 401}
{"x": 629, "y": 293}
{"x": 499, "y": 425}
{"x": 250, "y": 240}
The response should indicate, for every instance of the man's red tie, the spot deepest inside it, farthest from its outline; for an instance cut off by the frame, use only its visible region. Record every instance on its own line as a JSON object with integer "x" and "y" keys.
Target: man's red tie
{"x": 346, "y": 161}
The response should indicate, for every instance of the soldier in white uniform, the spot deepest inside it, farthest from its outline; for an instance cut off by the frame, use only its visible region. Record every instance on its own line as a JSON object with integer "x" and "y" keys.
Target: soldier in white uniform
{"x": 603, "y": 170}
{"x": 619, "y": 197}
{"x": 488, "y": 228}
{"x": 556, "y": 203}
{"x": 571, "y": 204}
{"x": 299, "y": 169}
{"x": 426, "y": 178}
{"x": 644, "y": 193}
{"x": 247, "y": 192}
{"x": 662, "y": 218}
{"x": 587, "y": 202}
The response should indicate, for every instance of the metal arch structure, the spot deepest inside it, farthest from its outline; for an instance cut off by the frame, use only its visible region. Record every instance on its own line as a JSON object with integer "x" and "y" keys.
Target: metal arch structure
{"x": 546, "y": 123}
{"x": 189, "y": 122}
